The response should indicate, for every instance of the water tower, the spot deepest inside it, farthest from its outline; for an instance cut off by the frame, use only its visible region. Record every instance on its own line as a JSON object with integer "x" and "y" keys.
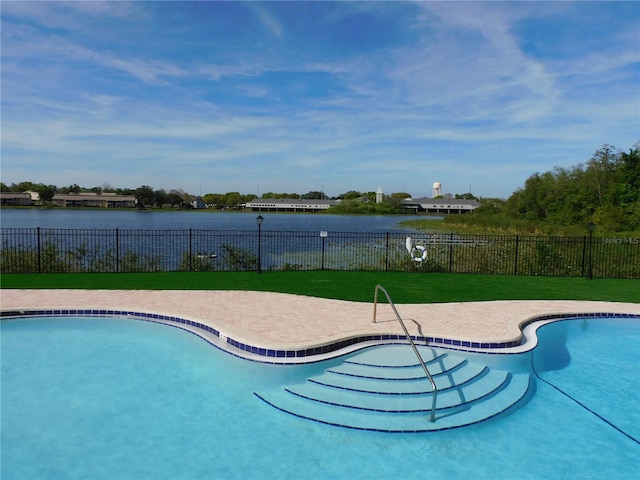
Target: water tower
{"x": 437, "y": 190}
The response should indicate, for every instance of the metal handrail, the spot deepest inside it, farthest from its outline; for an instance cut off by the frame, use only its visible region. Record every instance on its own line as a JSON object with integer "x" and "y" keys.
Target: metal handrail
{"x": 413, "y": 345}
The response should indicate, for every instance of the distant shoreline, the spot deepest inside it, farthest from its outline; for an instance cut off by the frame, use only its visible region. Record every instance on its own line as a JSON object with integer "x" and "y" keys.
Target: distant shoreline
{"x": 208, "y": 210}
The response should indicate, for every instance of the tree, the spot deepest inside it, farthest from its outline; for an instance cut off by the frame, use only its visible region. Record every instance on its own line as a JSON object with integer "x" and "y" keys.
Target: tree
{"x": 489, "y": 206}
{"x": 213, "y": 199}
{"x": 465, "y": 196}
{"x": 600, "y": 175}
{"x": 160, "y": 197}
{"x": 144, "y": 196}
{"x": 278, "y": 195}
{"x": 628, "y": 190}
{"x": 46, "y": 193}
{"x": 174, "y": 199}
{"x": 395, "y": 199}
{"x": 21, "y": 187}
{"x": 314, "y": 195}
{"x": 628, "y": 177}
{"x": 75, "y": 188}
{"x": 186, "y": 198}
{"x": 232, "y": 199}
{"x": 350, "y": 195}
{"x": 370, "y": 196}
{"x": 606, "y": 191}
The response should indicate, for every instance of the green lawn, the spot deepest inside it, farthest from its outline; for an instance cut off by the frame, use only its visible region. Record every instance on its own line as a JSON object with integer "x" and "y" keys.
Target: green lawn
{"x": 356, "y": 286}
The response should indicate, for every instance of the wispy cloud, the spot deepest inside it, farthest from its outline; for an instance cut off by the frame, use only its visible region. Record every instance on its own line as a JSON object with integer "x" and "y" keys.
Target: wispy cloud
{"x": 265, "y": 17}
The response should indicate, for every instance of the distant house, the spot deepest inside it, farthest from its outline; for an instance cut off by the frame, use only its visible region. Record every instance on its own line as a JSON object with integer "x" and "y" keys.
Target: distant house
{"x": 15, "y": 199}
{"x": 198, "y": 203}
{"x": 35, "y": 196}
{"x": 440, "y": 205}
{"x": 288, "y": 205}
{"x": 105, "y": 200}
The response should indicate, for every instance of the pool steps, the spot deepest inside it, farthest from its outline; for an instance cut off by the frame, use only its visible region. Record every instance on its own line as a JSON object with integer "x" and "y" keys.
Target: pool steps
{"x": 380, "y": 389}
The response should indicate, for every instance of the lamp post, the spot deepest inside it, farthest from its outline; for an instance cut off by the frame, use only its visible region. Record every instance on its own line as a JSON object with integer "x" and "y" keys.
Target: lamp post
{"x": 259, "y": 219}
{"x": 323, "y": 235}
{"x": 591, "y": 227}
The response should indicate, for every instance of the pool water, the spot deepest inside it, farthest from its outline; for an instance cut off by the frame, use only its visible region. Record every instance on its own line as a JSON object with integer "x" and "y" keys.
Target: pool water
{"x": 602, "y": 375}
{"x": 113, "y": 398}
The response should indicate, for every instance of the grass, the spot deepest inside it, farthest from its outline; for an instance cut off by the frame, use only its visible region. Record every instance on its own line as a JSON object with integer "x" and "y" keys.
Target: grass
{"x": 355, "y": 286}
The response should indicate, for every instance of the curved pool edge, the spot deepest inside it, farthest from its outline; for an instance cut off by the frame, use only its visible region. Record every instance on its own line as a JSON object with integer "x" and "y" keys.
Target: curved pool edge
{"x": 218, "y": 339}
{"x": 266, "y": 323}
{"x": 526, "y": 341}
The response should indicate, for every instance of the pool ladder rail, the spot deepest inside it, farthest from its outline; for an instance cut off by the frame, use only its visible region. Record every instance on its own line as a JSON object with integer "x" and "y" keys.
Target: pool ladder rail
{"x": 434, "y": 389}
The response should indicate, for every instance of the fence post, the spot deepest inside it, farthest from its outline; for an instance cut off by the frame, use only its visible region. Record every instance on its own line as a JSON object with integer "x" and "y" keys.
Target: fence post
{"x": 591, "y": 227}
{"x": 323, "y": 235}
{"x": 386, "y": 259}
{"x": 450, "y": 252}
{"x": 39, "y": 252}
{"x": 584, "y": 254}
{"x": 190, "y": 250}
{"x": 515, "y": 265}
{"x": 117, "y": 250}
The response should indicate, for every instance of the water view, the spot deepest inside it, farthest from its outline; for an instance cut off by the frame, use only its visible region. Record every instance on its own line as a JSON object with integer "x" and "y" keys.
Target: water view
{"x": 200, "y": 220}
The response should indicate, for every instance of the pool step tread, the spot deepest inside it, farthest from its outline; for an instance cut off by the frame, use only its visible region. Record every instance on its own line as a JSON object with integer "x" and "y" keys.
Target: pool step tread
{"x": 442, "y": 365}
{"x": 413, "y": 385}
{"x": 394, "y": 356}
{"x": 488, "y": 384}
{"x": 400, "y": 422}
{"x": 365, "y": 393}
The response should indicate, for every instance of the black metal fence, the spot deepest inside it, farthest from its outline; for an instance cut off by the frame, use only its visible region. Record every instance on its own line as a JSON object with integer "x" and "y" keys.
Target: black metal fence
{"x": 35, "y": 250}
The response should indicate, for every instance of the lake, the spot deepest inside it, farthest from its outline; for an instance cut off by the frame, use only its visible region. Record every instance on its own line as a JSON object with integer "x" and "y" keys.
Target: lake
{"x": 200, "y": 220}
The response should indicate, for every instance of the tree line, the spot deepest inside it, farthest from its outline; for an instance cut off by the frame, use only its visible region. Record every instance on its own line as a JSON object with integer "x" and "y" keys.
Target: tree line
{"x": 147, "y": 196}
{"x": 604, "y": 192}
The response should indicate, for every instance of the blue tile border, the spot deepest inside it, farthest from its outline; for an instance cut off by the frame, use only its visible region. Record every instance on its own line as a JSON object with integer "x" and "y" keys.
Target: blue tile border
{"x": 307, "y": 353}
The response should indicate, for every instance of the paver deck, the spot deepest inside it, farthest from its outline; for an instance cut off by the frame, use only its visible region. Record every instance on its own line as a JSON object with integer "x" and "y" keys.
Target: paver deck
{"x": 284, "y": 321}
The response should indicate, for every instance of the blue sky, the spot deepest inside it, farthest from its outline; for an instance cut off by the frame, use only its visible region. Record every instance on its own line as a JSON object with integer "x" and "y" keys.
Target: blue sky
{"x": 262, "y": 97}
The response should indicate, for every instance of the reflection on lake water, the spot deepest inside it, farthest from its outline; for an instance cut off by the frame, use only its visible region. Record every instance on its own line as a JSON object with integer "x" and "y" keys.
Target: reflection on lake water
{"x": 199, "y": 220}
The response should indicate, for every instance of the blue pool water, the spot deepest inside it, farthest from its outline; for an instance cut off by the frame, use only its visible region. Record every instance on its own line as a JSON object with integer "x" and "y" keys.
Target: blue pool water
{"x": 114, "y": 398}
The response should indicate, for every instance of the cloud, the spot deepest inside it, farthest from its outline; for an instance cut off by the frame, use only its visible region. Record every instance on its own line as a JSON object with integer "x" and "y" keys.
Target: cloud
{"x": 268, "y": 21}
{"x": 52, "y": 51}
{"x": 352, "y": 95}
{"x": 73, "y": 15}
{"x": 468, "y": 62}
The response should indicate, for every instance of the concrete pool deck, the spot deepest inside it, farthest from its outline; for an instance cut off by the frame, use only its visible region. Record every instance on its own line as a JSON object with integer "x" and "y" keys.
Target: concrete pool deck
{"x": 284, "y": 321}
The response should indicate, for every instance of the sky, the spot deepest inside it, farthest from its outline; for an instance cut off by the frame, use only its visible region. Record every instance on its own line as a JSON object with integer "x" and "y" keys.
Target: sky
{"x": 256, "y": 97}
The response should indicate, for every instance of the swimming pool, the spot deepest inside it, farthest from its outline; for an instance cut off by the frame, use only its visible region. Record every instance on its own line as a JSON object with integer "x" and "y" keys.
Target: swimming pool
{"x": 115, "y": 398}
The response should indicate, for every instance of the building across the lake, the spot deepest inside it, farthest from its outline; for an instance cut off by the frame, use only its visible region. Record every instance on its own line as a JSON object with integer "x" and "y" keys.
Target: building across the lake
{"x": 440, "y": 205}
{"x": 104, "y": 200}
{"x": 289, "y": 205}
{"x": 15, "y": 199}
{"x": 198, "y": 203}
{"x": 418, "y": 205}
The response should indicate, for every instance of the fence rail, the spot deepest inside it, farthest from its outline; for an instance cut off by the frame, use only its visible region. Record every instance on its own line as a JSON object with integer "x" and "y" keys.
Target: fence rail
{"x": 39, "y": 250}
